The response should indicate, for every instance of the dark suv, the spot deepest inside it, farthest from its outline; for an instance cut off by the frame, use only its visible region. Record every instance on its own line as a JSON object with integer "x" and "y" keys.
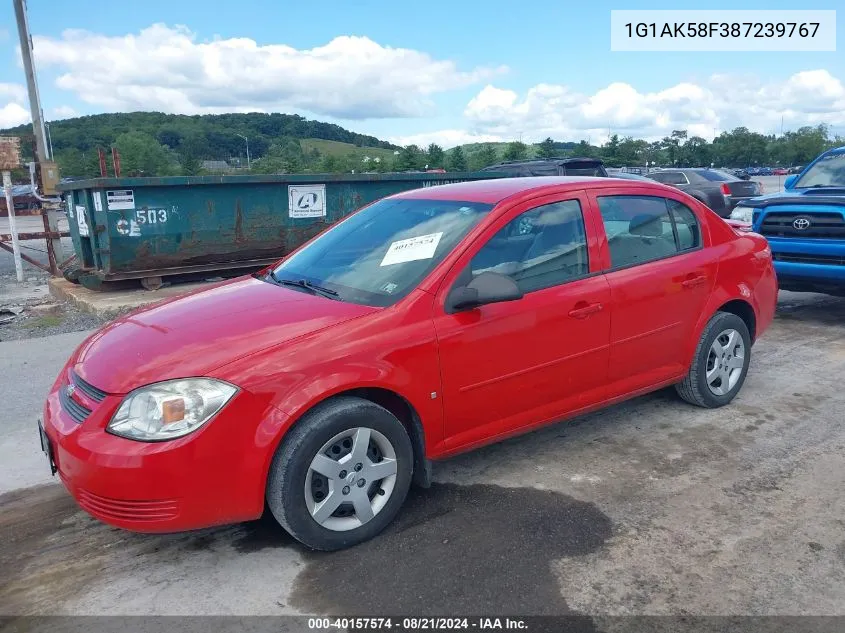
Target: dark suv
{"x": 718, "y": 189}
{"x": 551, "y": 167}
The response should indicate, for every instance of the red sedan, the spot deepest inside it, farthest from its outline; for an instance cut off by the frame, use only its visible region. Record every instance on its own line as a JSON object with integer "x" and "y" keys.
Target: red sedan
{"x": 426, "y": 324}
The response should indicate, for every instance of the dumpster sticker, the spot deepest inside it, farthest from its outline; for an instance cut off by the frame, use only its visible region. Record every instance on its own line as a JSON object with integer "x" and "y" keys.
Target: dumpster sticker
{"x": 128, "y": 227}
{"x": 306, "y": 201}
{"x": 120, "y": 200}
{"x": 98, "y": 201}
{"x": 81, "y": 221}
{"x": 412, "y": 249}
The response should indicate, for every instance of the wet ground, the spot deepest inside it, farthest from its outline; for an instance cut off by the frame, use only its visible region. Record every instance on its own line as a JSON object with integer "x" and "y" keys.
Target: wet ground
{"x": 650, "y": 507}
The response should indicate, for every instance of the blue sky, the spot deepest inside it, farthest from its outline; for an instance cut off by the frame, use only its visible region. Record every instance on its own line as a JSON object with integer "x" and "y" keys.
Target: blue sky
{"x": 590, "y": 91}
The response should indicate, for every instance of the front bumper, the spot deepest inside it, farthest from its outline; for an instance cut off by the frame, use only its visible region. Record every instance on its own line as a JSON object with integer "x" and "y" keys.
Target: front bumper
{"x": 809, "y": 259}
{"x": 213, "y": 476}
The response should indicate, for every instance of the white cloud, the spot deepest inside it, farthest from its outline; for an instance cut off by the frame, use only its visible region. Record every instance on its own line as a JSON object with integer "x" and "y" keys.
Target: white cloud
{"x": 64, "y": 112}
{"x": 13, "y": 109}
{"x": 720, "y": 102}
{"x": 167, "y": 69}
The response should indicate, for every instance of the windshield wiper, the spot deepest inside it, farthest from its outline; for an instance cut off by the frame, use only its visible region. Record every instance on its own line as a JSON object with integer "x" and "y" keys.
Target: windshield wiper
{"x": 303, "y": 283}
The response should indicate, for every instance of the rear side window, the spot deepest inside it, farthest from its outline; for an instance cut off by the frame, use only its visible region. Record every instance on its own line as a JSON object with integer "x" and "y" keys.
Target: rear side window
{"x": 686, "y": 225}
{"x": 670, "y": 178}
{"x": 714, "y": 175}
{"x": 584, "y": 168}
{"x": 640, "y": 229}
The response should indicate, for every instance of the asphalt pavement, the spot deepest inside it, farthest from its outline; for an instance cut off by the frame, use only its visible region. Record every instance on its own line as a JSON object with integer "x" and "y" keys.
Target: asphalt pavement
{"x": 650, "y": 507}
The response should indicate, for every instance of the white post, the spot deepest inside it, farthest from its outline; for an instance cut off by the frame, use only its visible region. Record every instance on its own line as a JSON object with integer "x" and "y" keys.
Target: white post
{"x": 13, "y": 229}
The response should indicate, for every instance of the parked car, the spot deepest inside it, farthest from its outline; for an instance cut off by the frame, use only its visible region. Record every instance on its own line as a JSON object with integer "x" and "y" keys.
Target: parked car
{"x": 739, "y": 173}
{"x": 717, "y": 189}
{"x": 805, "y": 226}
{"x": 796, "y": 170}
{"x": 426, "y": 324}
{"x": 780, "y": 171}
{"x": 551, "y": 167}
{"x": 627, "y": 175}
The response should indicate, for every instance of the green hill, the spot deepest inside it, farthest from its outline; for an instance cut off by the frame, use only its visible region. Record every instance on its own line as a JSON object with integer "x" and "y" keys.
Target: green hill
{"x": 339, "y": 149}
{"x": 153, "y": 143}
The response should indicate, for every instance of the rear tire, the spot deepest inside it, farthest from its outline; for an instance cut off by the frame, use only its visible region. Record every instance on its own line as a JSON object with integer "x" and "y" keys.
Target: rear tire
{"x": 341, "y": 474}
{"x": 720, "y": 363}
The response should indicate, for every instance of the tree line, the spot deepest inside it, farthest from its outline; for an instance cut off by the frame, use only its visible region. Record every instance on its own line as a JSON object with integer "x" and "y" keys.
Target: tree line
{"x": 739, "y": 147}
{"x": 155, "y": 144}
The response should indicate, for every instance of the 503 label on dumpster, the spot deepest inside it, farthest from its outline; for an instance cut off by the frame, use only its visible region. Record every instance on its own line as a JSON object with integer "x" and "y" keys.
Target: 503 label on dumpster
{"x": 151, "y": 216}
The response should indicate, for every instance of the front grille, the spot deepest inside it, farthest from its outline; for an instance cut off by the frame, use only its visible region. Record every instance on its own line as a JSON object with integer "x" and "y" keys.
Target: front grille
{"x": 780, "y": 224}
{"x": 97, "y": 395}
{"x": 125, "y": 510}
{"x": 798, "y": 258}
{"x": 75, "y": 410}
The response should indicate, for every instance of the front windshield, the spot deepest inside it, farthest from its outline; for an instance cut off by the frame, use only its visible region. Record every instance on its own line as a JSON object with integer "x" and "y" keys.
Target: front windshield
{"x": 381, "y": 253}
{"x": 829, "y": 171}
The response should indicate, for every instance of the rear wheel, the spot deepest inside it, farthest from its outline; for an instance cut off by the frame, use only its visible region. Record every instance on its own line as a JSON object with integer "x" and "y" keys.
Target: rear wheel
{"x": 341, "y": 475}
{"x": 720, "y": 364}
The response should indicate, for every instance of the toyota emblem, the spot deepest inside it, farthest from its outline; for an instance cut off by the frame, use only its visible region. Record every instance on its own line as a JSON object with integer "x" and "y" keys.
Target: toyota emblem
{"x": 801, "y": 224}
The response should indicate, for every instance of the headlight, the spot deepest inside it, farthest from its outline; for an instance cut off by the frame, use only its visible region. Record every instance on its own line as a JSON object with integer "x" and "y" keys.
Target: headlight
{"x": 170, "y": 409}
{"x": 743, "y": 214}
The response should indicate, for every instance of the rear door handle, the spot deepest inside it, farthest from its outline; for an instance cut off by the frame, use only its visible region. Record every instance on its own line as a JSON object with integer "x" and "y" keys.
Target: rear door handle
{"x": 584, "y": 310}
{"x": 694, "y": 282}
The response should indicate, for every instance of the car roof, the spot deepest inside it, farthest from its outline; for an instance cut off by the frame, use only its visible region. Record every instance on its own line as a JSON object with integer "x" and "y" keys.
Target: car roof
{"x": 695, "y": 170}
{"x": 497, "y": 189}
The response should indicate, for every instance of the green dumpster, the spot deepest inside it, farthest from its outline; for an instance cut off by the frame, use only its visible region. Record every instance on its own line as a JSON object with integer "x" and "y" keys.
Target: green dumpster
{"x": 149, "y": 228}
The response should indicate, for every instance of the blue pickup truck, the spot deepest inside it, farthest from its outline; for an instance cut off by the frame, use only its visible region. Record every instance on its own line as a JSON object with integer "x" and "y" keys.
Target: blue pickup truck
{"x": 805, "y": 226}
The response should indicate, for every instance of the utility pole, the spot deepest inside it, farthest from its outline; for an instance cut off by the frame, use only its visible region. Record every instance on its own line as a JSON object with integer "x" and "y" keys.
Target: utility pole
{"x": 13, "y": 229}
{"x": 49, "y": 139}
{"x": 247, "y": 149}
{"x": 54, "y": 244}
{"x": 31, "y": 83}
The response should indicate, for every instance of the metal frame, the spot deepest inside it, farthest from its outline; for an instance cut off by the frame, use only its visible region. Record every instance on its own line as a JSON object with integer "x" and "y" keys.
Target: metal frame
{"x": 53, "y": 267}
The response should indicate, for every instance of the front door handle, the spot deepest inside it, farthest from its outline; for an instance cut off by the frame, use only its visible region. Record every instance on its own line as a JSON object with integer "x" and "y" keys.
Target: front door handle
{"x": 583, "y": 309}
{"x": 694, "y": 282}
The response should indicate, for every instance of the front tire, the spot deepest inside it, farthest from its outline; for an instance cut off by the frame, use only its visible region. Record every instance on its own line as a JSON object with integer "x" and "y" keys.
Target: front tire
{"x": 720, "y": 363}
{"x": 341, "y": 474}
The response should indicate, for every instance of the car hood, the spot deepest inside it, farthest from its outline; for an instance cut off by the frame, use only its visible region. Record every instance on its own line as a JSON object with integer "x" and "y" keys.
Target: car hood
{"x": 196, "y": 333}
{"x": 820, "y": 196}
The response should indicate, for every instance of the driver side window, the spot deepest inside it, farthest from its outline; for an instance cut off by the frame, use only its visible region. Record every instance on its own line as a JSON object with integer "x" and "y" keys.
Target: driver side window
{"x": 540, "y": 248}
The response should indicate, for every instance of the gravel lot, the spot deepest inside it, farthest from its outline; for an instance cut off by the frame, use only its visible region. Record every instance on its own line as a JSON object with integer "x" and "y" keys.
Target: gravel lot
{"x": 650, "y": 507}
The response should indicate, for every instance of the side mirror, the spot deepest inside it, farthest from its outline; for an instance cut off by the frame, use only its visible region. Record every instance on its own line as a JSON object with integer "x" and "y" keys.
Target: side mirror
{"x": 488, "y": 287}
{"x": 789, "y": 181}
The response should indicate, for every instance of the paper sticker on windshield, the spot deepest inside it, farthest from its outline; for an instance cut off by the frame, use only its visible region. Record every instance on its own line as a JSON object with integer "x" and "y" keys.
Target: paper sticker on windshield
{"x": 412, "y": 249}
